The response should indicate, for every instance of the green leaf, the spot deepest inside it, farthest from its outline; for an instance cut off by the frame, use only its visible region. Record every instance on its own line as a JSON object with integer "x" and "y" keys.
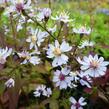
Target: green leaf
{"x": 56, "y": 94}
{"x": 54, "y": 104}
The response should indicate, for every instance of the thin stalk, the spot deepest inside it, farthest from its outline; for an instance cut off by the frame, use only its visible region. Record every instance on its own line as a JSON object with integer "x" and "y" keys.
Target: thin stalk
{"x": 59, "y": 31}
{"x": 13, "y": 29}
{"x": 34, "y": 20}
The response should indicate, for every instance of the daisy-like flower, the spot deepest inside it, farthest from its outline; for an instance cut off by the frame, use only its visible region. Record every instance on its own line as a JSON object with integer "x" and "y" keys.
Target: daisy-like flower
{"x": 85, "y": 80}
{"x": 4, "y": 53}
{"x": 62, "y": 78}
{"x": 44, "y": 14}
{"x": 57, "y": 51}
{"x": 48, "y": 92}
{"x": 20, "y": 5}
{"x": 77, "y": 104}
{"x": 74, "y": 75}
{"x": 93, "y": 65}
{"x": 37, "y": 38}
{"x": 29, "y": 57}
{"x": 10, "y": 83}
{"x": 42, "y": 90}
{"x": 52, "y": 30}
{"x": 63, "y": 17}
{"x": 86, "y": 43}
{"x": 82, "y": 30}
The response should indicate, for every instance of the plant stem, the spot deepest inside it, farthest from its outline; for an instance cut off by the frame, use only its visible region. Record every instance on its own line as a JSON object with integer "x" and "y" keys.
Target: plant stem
{"x": 13, "y": 29}
{"x": 60, "y": 30}
{"x": 34, "y": 20}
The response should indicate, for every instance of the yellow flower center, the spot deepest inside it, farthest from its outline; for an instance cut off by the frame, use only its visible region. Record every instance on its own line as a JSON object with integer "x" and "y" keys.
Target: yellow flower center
{"x": 34, "y": 38}
{"x": 94, "y": 64}
{"x": 28, "y": 57}
{"x": 57, "y": 51}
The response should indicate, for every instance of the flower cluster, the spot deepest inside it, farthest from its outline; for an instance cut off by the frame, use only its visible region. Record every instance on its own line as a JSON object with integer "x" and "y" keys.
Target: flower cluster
{"x": 50, "y": 55}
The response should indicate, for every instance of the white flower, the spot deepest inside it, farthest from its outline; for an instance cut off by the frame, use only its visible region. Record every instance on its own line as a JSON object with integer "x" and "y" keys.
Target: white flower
{"x": 10, "y": 83}
{"x": 37, "y": 38}
{"x": 74, "y": 75}
{"x": 48, "y": 92}
{"x": 86, "y": 43}
{"x": 52, "y": 30}
{"x": 77, "y": 104}
{"x": 82, "y": 30}
{"x": 85, "y": 80}
{"x": 4, "y": 53}
{"x": 42, "y": 90}
{"x": 62, "y": 78}
{"x": 44, "y": 14}
{"x": 93, "y": 66}
{"x": 63, "y": 17}
{"x": 29, "y": 57}
{"x": 57, "y": 51}
{"x": 20, "y": 5}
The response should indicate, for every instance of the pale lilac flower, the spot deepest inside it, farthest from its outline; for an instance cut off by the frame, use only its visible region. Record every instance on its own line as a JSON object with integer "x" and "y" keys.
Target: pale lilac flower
{"x": 29, "y": 57}
{"x": 85, "y": 80}
{"x": 47, "y": 12}
{"x": 63, "y": 17}
{"x": 42, "y": 90}
{"x": 20, "y": 5}
{"x": 62, "y": 78}
{"x": 86, "y": 43}
{"x": 44, "y": 14}
{"x": 10, "y": 83}
{"x": 52, "y": 30}
{"x": 57, "y": 52}
{"x": 4, "y": 53}
{"x": 82, "y": 30}
{"x": 2, "y": 2}
{"x": 48, "y": 92}
{"x": 77, "y": 104}
{"x": 36, "y": 38}
{"x": 74, "y": 75}
{"x": 93, "y": 65}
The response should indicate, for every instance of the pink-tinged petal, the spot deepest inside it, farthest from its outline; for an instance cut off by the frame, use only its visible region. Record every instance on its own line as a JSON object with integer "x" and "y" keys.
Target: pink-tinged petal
{"x": 65, "y": 47}
{"x": 73, "y": 107}
{"x": 63, "y": 85}
{"x": 57, "y": 45}
{"x": 72, "y": 100}
{"x": 81, "y": 101}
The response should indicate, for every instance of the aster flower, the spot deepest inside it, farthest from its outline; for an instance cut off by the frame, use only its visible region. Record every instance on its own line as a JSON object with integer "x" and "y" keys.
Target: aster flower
{"x": 4, "y": 53}
{"x": 86, "y": 43}
{"x": 74, "y": 75}
{"x": 93, "y": 65}
{"x": 82, "y": 30}
{"x": 85, "y": 80}
{"x": 52, "y": 30}
{"x": 20, "y": 5}
{"x": 44, "y": 14}
{"x": 37, "y": 38}
{"x": 63, "y": 17}
{"x": 48, "y": 92}
{"x": 42, "y": 90}
{"x": 62, "y": 78}
{"x": 29, "y": 57}
{"x": 10, "y": 83}
{"x": 57, "y": 51}
{"x": 77, "y": 104}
